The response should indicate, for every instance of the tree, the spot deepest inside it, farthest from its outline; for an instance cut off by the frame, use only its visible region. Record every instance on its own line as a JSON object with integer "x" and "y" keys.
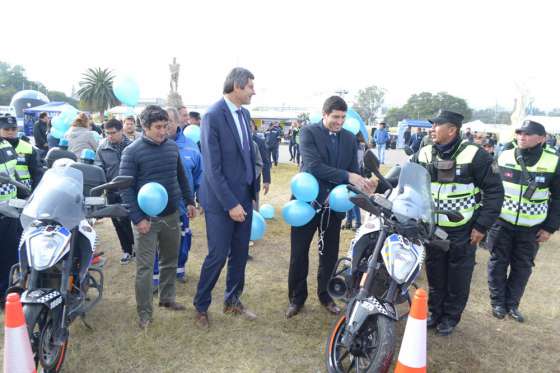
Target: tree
{"x": 368, "y": 102}
{"x": 425, "y": 105}
{"x": 395, "y": 115}
{"x": 492, "y": 115}
{"x": 96, "y": 90}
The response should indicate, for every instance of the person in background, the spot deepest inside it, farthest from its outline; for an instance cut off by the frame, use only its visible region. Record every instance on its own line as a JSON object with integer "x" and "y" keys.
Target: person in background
{"x": 80, "y": 136}
{"x": 381, "y": 139}
{"x": 108, "y": 157}
{"x": 194, "y": 118}
{"x": 40, "y": 129}
{"x": 273, "y": 137}
{"x": 416, "y": 139}
{"x": 354, "y": 212}
{"x": 155, "y": 158}
{"x": 468, "y": 135}
{"x": 184, "y": 117}
{"x": 129, "y": 129}
{"x": 407, "y": 136}
{"x": 264, "y": 172}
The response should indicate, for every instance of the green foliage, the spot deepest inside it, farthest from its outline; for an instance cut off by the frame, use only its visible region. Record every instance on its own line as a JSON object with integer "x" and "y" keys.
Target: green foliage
{"x": 492, "y": 115}
{"x": 12, "y": 80}
{"x": 368, "y": 102}
{"x": 303, "y": 117}
{"x": 395, "y": 115}
{"x": 96, "y": 90}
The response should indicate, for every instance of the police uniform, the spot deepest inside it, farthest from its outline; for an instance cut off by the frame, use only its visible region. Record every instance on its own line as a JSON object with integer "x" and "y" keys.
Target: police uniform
{"x": 463, "y": 180}
{"x": 10, "y": 228}
{"x": 532, "y": 203}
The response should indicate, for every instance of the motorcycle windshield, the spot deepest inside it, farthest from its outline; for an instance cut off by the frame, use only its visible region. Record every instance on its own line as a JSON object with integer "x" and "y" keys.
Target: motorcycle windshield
{"x": 414, "y": 199}
{"x": 58, "y": 197}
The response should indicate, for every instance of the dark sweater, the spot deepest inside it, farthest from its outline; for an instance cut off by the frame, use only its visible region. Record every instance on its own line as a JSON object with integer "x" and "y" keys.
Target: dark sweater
{"x": 147, "y": 162}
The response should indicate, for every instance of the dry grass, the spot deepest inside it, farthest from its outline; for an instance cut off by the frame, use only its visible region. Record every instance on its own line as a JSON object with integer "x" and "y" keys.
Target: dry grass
{"x": 274, "y": 344}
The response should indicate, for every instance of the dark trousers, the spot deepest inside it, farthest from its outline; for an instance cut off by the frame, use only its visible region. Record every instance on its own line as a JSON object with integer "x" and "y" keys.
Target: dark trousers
{"x": 449, "y": 276}
{"x": 10, "y": 232}
{"x": 513, "y": 249}
{"x": 274, "y": 151}
{"x": 227, "y": 241}
{"x": 297, "y": 154}
{"x": 301, "y": 238}
{"x": 123, "y": 227}
{"x": 291, "y": 149}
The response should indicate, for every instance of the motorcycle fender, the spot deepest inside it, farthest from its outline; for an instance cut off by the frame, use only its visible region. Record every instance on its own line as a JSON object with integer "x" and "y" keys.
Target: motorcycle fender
{"x": 365, "y": 308}
{"x": 49, "y": 297}
{"x": 88, "y": 232}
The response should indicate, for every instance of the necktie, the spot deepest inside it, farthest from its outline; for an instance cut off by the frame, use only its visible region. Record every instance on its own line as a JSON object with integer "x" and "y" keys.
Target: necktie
{"x": 246, "y": 149}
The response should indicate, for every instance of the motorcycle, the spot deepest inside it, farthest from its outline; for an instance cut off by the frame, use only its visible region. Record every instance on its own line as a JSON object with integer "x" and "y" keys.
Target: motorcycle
{"x": 384, "y": 260}
{"x": 55, "y": 276}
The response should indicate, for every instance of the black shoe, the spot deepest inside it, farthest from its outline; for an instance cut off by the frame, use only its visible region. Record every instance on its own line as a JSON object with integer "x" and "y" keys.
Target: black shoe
{"x": 431, "y": 322}
{"x": 516, "y": 315}
{"x": 499, "y": 312}
{"x": 445, "y": 328}
{"x": 293, "y": 309}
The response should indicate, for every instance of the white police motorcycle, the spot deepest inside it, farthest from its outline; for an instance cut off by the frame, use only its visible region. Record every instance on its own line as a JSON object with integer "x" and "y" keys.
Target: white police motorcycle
{"x": 55, "y": 275}
{"x": 383, "y": 261}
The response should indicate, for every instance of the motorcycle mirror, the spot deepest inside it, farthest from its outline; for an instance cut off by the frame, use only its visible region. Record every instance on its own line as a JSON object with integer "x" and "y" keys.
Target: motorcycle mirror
{"x": 119, "y": 182}
{"x": 363, "y": 202}
{"x": 408, "y": 150}
{"x": 371, "y": 162}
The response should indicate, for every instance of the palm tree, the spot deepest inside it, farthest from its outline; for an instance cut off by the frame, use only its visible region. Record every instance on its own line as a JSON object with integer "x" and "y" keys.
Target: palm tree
{"x": 96, "y": 90}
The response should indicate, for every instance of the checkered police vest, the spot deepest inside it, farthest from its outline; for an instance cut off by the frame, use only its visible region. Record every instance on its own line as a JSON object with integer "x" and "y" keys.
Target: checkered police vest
{"x": 461, "y": 194}
{"x": 22, "y": 170}
{"x": 8, "y": 161}
{"x": 517, "y": 209}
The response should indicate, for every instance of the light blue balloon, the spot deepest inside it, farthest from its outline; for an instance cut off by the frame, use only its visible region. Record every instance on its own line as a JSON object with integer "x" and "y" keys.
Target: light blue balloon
{"x": 315, "y": 117}
{"x": 258, "y": 226}
{"x": 152, "y": 198}
{"x": 304, "y": 186}
{"x": 363, "y": 129}
{"x": 65, "y": 118}
{"x": 297, "y": 213}
{"x": 339, "y": 199}
{"x": 126, "y": 90}
{"x": 192, "y": 132}
{"x": 351, "y": 124}
{"x": 267, "y": 211}
{"x": 56, "y": 133}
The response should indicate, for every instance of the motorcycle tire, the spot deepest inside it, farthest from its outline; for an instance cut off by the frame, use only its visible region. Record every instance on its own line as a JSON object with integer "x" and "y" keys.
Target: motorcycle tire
{"x": 41, "y": 328}
{"x": 378, "y": 332}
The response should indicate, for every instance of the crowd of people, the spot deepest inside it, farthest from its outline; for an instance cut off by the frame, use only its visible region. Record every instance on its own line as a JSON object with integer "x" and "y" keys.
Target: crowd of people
{"x": 511, "y": 198}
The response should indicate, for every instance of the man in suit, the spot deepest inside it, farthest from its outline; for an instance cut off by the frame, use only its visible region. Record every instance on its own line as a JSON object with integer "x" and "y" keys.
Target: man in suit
{"x": 227, "y": 192}
{"x": 329, "y": 153}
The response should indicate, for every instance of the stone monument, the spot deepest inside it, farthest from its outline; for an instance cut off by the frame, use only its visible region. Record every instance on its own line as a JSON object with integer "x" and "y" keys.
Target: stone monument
{"x": 521, "y": 104}
{"x": 174, "y": 98}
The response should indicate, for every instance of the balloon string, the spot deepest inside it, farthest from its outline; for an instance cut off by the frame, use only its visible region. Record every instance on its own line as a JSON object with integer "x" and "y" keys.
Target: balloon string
{"x": 321, "y": 243}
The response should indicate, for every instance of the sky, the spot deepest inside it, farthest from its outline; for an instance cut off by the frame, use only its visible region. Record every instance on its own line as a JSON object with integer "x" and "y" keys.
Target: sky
{"x": 299, "y": 51}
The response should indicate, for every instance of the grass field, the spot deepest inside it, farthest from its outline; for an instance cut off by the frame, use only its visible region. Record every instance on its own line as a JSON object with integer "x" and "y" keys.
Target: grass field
{"x": 274, "y": 344}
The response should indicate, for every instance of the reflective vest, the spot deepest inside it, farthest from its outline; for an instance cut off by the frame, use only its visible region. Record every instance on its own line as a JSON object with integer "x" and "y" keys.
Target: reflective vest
{"x": 517, "y": 209}
{"x": 8, "y": 161}
{"x": 22, "y": 170}
{"x": 459, "y": 195}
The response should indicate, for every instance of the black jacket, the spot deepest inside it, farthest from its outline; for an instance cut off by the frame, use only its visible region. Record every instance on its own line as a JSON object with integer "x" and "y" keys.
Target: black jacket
{"x": 265, "y": 158}
{"x": 319, "y": 160}
{"x": 147, "y": 162}
{"x": 108, "y": 157}
{"x": 488, "y": 180}
{"x": 40, "y": 135}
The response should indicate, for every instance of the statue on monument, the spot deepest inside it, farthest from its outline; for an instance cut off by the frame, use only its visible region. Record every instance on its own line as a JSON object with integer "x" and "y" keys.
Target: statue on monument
{"x": 174, "y": 98}
{"x": 521, "y": 104}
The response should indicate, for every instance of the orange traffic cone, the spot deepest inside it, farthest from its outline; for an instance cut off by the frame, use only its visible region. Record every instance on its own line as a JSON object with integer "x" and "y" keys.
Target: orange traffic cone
{"x": 412, "y": 357}
{"x": 18, "y": 357}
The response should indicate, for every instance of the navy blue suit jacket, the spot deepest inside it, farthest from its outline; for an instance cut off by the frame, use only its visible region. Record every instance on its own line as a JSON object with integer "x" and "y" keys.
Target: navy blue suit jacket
{"x": 223, "y": 184}
{"x": 318, "y": 160}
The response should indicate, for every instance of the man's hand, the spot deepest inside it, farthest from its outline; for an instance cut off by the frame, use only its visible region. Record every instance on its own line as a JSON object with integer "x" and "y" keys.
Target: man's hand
{"x": 144, "y": 226}
{"x": 237, "y": 214}
{"x": 266, "y": 187}
{"x": 365, "y": 185}
{"x": 191, "y": 211}
{"x": 476, "y": 237}
{"x": 543, "y": 236}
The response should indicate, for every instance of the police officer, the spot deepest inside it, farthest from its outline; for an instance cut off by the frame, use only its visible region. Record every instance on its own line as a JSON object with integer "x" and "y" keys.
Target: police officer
{"x": 530, "y": 214}
{"x": 10, "y": 228}
{"x": 463, "y": 180}
{"x": 28, "y": 168}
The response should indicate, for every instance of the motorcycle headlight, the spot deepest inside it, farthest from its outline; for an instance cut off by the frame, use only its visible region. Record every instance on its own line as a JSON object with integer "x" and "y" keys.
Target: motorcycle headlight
{"x": 400, "y": 257}
{"x": 44, "y": 249}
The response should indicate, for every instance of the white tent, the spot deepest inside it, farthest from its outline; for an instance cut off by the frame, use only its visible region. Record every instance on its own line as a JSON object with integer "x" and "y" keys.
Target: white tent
{"x": 480, "y": 126}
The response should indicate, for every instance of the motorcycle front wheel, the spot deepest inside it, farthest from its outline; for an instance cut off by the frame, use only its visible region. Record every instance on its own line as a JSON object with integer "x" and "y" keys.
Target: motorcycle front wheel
{"x": 371, "y": 352}
{"x": 41, "y": 329}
